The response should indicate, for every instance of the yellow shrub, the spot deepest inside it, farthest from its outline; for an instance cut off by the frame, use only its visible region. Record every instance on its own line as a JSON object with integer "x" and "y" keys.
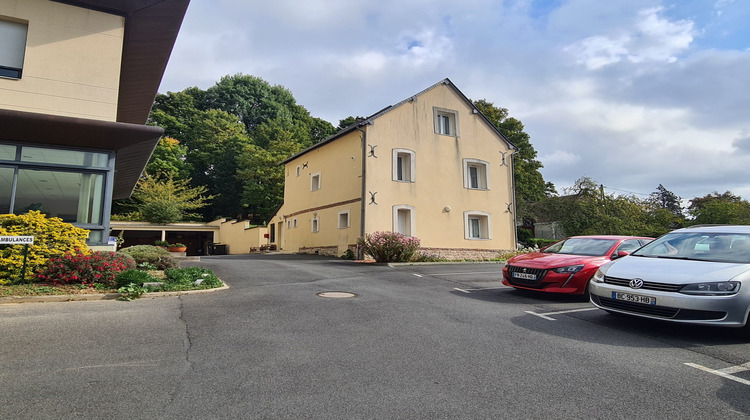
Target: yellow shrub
{"x": 52, "y": 238}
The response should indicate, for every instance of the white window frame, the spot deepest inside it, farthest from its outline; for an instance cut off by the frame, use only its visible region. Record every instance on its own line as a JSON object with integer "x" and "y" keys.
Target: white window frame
{"x": 412, "y": 219}
{"x": 483, "y": 174}
{"x": 315, "y": 224}
{"x": 485, "y": 225}
{"x": 440, "y": 115}
{"x": 346, "y": 213}
{"x": 14, "y": 35}
{"x": 408, "y": 171}
{"x": 315, "y": 185}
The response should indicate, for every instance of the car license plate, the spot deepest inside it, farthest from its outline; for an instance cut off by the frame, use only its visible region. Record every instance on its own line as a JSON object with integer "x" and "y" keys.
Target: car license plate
{"x": 525, "y": 276}
{"x": 648, "y": 300}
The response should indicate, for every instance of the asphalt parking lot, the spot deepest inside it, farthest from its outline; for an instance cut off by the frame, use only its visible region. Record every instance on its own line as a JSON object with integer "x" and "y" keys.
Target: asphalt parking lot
{"x": 422, "y": 341}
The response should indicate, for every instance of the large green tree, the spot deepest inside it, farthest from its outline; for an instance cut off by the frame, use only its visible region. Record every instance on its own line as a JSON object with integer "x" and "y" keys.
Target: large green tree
{"x": 715, "y": 208}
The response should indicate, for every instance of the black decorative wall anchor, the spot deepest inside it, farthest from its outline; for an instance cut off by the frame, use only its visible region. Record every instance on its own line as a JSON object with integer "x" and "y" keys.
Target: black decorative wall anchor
{"x": 304, "y": 165}
{"x": 503, "y": 163}
{"x": 372, "y": 197}
{"x": 372, "y": 151}
{"x": 510, "y": 208}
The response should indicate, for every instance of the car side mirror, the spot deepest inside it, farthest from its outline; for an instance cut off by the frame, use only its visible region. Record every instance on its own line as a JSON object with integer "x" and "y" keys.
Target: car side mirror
{"x": 620, "y": 254}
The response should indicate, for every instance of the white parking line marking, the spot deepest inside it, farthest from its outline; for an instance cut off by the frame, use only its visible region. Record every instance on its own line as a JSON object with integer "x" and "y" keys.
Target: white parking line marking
{"x": 540, "y": 315}
{"x": 418, "y": 275}
{"x": 725, "y": 373}
{"x": 545, "y": 315}
{"x": 462, "y": 290}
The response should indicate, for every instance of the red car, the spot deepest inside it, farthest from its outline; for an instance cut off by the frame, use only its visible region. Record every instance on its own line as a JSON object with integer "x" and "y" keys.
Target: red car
{"x": 567, "y": 266}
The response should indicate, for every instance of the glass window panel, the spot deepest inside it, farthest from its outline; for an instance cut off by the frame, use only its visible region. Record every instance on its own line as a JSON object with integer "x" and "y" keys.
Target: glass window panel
{"x": 6, "y": 188}
{"x": 64, "y": 157}
{"x": 13, "y": 47}
{"x": 73, "y": 197}
{"x": 7, "y": 152}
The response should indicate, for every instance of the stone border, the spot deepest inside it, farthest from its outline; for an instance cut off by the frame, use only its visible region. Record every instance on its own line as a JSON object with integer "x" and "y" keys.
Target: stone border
{"x": 100, "y": 296}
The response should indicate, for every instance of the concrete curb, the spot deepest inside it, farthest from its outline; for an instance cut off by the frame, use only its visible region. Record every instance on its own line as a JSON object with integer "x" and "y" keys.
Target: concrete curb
{"x": 100, "y": 296}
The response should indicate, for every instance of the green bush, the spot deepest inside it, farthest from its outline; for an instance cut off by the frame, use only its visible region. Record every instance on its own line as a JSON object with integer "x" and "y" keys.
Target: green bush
{"x": 389, "y": 246}
{"x": 136, "y": 277}
{"x": 185, "y": 278}
{"x": 541, "y": 242}
{"x": 524, "y": 235}
{"x": 159, "y": 257}
{"x": 52, "y": 238}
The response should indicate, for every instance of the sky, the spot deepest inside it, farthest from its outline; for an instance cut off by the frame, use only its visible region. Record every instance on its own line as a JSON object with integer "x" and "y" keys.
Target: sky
{"x": 630, "y": 93}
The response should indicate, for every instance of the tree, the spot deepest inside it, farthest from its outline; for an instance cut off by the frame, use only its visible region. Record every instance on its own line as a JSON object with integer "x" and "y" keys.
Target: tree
{"x": 346, "y": 122}
{"x": 261, "y": 175}
{"x": 168, "y": 160}
{"x": 529, "y": 182}
{"x": 665, "y": 199}
{"x": 168, "y": 200}
{"x": 716, "y": 208}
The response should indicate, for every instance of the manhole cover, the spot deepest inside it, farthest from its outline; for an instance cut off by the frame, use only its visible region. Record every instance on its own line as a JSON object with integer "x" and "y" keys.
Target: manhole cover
{"x": 336, "y": 295}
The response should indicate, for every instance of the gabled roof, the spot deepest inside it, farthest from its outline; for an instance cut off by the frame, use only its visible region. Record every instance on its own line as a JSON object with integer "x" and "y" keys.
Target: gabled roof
{"x": 370, "y": 119}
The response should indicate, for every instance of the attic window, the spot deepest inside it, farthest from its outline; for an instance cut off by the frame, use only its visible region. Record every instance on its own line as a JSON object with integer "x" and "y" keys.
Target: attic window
{"x": 446, "y": 122}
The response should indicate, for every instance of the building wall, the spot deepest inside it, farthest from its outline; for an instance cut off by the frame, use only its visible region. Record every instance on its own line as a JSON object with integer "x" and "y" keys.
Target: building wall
{"x": 339, "y": 165}
{"x": 437, "y": 195}
{"x": 239, "y": 236}
{"x": 72, "y": 61}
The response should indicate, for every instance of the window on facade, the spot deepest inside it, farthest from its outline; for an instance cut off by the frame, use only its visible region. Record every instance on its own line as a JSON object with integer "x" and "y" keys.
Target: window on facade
{"x": 299, "y": 170}
{"x": 315, "y": 182}
{"x": 446, "y": 122}
{"x": 476, "y": 174}
{"x": 272, "y": 233}
{"x": 315, "y": 224}
{"x": 12, "y": 48}
{"x": 403, "y": 220}
{"x": 288, "y": 224}
{"x": 344, "y": 219}
{"x": 477, "y": 225}
{"x": 404, "y": 165}
{"x": 294, "y": 222}
{"x": 33, "y": 178}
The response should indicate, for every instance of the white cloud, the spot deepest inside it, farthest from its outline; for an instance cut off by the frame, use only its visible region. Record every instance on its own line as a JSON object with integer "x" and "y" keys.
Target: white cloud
{"x": 651, "y": 38}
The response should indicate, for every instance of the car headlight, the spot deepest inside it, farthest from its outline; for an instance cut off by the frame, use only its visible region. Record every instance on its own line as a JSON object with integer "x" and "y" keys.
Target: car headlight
{"x": 571, "y": 269}
{"x": 712, "y": 288}
{"x": 598, "y": 277}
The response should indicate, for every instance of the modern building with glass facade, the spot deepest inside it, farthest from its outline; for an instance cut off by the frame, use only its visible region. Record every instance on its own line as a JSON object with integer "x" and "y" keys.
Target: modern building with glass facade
{"x": 77, "y": 81}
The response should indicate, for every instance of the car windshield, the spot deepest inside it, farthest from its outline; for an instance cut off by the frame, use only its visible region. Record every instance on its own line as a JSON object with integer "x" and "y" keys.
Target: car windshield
{"x": 582, "y": 246}
{"x": 717, "y": 247}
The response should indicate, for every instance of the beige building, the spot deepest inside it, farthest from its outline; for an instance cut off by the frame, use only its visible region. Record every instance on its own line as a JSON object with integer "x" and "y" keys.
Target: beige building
{"x": 431, "y": 166}
{"x": 77, "y": 81}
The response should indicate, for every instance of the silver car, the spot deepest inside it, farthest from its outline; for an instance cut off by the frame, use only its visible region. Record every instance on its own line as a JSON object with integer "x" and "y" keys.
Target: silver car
{"x": 696, "y": 275}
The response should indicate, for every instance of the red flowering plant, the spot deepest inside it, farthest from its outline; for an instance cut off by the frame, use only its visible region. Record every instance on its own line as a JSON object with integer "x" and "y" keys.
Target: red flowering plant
{"x": 389, "y": 246}
{"x": 86, "y": 268}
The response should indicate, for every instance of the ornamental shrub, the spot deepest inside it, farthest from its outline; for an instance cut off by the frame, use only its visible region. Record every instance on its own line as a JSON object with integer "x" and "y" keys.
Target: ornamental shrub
{"x": 52, "y": 238}
{"x": 185, "y": 278}
{"x": 158, "y": 256}
{"x": 83, "y": 268}
{"x": 389, "y": 246}
{"x": 137, "y": 277}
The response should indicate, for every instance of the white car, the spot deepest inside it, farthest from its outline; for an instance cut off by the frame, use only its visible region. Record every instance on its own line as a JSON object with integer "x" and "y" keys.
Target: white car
{"x": 696, "y": 275}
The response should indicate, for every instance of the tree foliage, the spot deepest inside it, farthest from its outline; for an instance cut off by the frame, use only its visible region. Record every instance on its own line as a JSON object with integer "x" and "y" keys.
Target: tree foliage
{"x": 715, "y": 208}
{"x": 167, "y": 200}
